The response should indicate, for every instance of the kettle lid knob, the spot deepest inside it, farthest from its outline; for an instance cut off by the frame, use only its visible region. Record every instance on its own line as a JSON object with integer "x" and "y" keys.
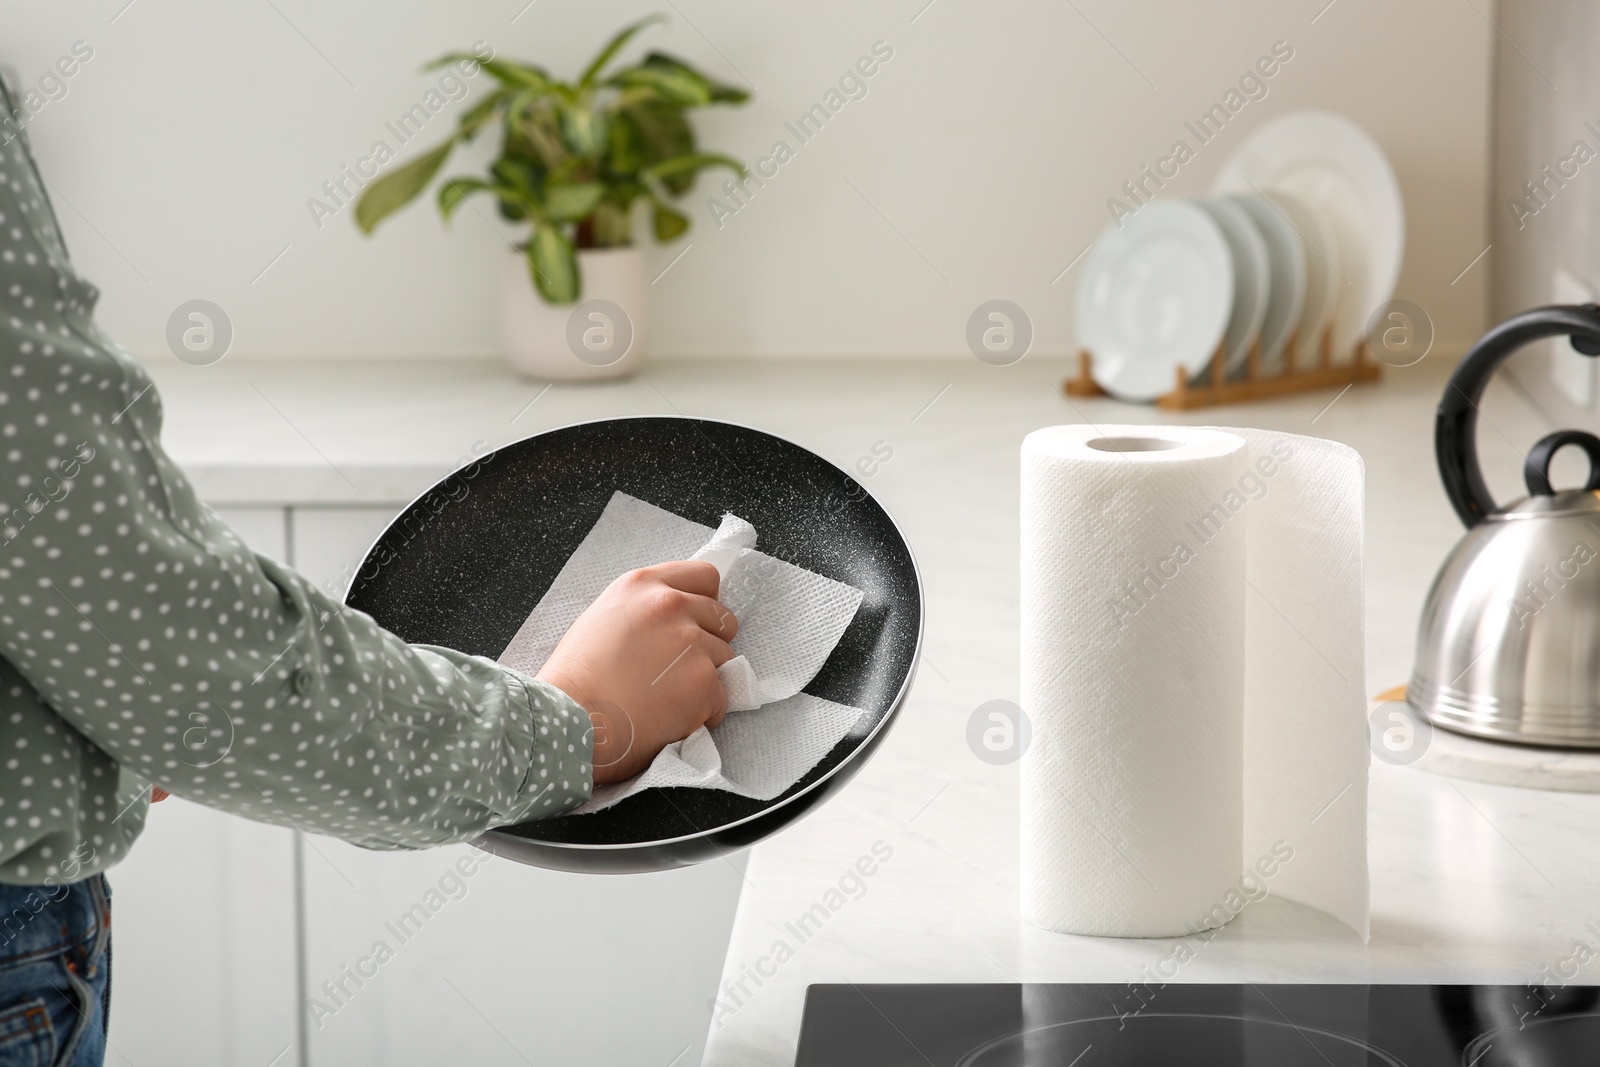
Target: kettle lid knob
{"x": 1536, "y": 471}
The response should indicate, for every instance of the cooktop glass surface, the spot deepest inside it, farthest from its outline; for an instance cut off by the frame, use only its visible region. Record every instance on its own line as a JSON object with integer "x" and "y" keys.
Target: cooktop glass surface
{"x": 1196, "y": 1025}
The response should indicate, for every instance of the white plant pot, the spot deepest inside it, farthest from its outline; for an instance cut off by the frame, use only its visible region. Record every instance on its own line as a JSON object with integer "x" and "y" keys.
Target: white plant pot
{"x": 604, "y": 335}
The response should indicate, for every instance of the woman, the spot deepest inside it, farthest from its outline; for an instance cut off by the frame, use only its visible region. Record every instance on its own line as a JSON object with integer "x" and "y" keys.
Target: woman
{"x": 126, "y": 606}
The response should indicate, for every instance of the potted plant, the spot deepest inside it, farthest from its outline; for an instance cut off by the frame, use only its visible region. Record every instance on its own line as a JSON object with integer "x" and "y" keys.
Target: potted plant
{"x": 576, "y": 159}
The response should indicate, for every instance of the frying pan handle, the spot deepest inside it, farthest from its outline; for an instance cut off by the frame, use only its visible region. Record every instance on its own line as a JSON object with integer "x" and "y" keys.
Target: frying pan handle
{"x": 1455, "y": 429}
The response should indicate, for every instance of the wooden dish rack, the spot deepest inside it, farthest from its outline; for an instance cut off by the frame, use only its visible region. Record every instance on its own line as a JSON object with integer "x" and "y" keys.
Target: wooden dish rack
{"x": 1217, "y": 388}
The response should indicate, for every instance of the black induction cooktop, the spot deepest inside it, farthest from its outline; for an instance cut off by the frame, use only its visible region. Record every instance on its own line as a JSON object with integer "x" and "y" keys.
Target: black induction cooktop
{"x": 1193, "y": 1025}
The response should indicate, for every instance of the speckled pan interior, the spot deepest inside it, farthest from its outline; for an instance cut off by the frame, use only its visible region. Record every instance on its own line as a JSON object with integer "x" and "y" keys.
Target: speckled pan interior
{"x": 464, "y": 565}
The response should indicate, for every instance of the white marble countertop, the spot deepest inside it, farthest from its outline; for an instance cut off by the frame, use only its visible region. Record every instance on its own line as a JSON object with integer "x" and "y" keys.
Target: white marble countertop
{"x": 1470, "y": 882}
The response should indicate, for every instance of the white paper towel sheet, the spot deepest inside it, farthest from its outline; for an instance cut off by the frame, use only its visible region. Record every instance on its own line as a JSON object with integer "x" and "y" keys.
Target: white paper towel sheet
{"x": 789, "y": 622}
{"x": 1192, "y": 668}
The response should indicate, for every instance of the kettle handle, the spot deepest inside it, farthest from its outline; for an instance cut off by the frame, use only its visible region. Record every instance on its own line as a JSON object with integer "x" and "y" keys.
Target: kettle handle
{"x": 1455, "y": 430}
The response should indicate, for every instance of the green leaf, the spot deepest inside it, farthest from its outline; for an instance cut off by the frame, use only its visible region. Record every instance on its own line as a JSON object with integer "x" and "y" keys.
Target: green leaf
{"x": 517, "y": 205}
{"x": 692, "y": 163}
{"x": 476, "y": 116}
{"x": 394, "y": 191}
{"x": 678, "y": 83}
{"x": 576, "y": 169}
{"x": 570, "y": 203}
{"x": 515, "y": 75}
{"x": 664, "y": 128}
{"x": 625, "y": 148}
{"x": 613, "y": 222}
{"x": 520, "y": 174}
{"x": 517, "y": 187}
{"x": 668, "y": 223}
{"x": 663, "y": 132}
{"x": 583, "y": 129}
{"x": 454, "y": 191}
{"x": 615, "y": 45}
{"x": 553, "y": 265}
{"x": 719, "y": 92}
{"x": 536, "y": 128}
{"x": 670, "y": 86}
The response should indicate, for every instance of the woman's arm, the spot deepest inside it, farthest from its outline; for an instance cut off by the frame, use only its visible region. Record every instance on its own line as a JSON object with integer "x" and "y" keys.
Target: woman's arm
{"x": 146, "y": 623}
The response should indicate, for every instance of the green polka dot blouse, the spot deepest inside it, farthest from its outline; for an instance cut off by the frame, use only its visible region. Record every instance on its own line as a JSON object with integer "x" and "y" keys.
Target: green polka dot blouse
{"x": 141, "y": 641}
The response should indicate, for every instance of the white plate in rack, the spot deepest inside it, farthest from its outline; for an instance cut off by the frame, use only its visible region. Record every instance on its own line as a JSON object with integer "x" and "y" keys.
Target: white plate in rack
{"x": 1252, "y": 274}
{"x": 1286, "y": 274}
{"x": 1155, "y": 296}
{"x": 1322, "y": 276}
{"x": 1336, "y": 169}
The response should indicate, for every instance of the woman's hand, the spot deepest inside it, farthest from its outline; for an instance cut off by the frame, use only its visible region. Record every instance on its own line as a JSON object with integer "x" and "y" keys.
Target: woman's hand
{"x": 643, "y": 659}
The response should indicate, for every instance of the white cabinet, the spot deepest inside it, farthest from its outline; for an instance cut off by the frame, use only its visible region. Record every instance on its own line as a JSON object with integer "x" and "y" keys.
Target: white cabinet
{"x": 328, "y": 544}
{"x": 203, "y": 927}
{"x": 454, "y": 956}
{"x": 203, "y": 942}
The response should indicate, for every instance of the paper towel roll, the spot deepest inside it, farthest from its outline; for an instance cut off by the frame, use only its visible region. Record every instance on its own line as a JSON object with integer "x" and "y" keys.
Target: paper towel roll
{"x": 1188, "y": 737}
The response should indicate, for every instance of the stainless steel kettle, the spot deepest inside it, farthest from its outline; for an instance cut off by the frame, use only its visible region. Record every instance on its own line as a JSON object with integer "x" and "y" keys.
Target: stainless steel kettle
{"x": 1509, "y": 644}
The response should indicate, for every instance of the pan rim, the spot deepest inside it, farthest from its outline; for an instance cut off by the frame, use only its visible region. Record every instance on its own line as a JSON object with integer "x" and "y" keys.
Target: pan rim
{"x": 889, "y": 715}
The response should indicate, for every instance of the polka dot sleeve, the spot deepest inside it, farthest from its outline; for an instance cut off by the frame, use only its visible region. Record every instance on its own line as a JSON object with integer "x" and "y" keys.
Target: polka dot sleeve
{"x": 141, "y": 641}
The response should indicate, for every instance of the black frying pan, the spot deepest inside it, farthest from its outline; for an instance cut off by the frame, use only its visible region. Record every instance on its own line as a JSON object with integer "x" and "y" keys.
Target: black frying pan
{"x": 465, "y": 563}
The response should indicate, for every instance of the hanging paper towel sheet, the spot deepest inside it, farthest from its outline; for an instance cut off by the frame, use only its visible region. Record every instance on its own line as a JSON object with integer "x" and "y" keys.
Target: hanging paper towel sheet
{"x": 1192, "y": 667}
{"x": 790, "y": 619}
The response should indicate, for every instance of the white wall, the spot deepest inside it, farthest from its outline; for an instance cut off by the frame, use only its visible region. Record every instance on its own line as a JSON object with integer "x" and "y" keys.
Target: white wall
{"x": 185, "y": 151}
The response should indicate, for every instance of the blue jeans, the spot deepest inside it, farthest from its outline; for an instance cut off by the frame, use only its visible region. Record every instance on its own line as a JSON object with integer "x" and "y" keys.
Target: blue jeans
{"x": 55, "y": 973}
